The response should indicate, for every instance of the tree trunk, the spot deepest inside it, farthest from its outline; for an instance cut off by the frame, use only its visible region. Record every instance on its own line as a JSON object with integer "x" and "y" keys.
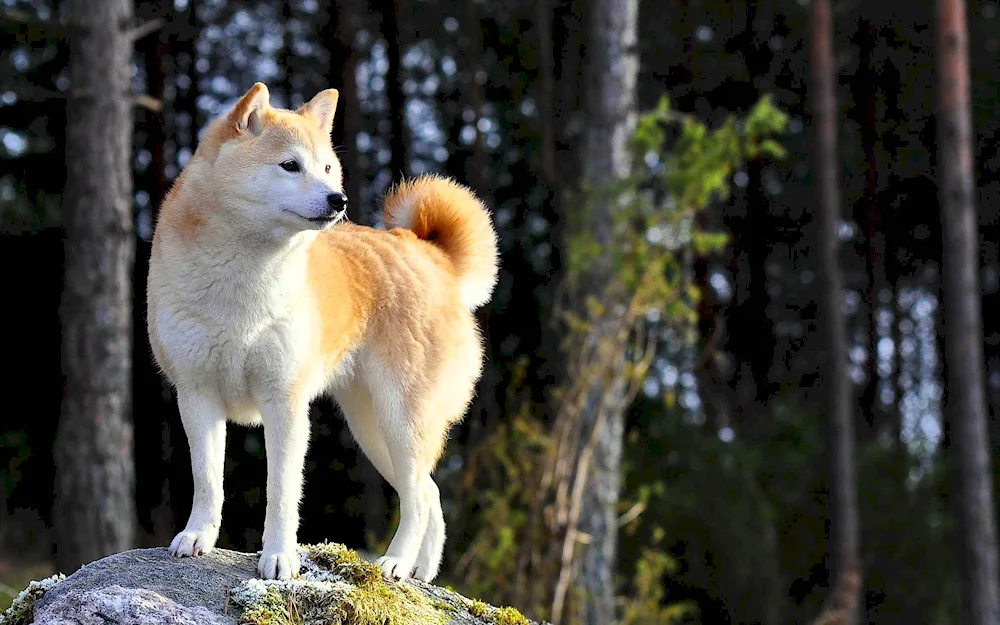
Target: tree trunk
{"x": 965, "y": 399}
{"x": 867, "y": 107}
{"x": 338, "y": 36}
{"x": 153, "y": 504}
{"x": 475, "y": 166}
{"x": 610, "y": 80}
{"x": 394, "y": 89}
{"x": 842, "y": 604}
{"x": 285, "y": 55}
{"x": 95, "y": 509}
{"x": 547, "y": 96}
{"x": 344, "y": 22}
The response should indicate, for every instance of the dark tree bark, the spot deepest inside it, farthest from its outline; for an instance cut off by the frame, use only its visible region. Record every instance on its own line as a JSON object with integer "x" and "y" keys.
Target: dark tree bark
{"x": 394, "y": 88}
{"x": 286, "y": 54}
{"x": 965, "y": 401}
{"x": 186, "y": 102}
{"x": 153, "y": 431}
{"x": 867, "y": 96}
{"x": 95, "y": 508}
{"x": 344, "y": 22}
{"x": 610, "y": 81}
{"x": 753, "y": 352}
{"x": 338, "y": 35}
{"x": 547, "y": 99}
{"x": 842, "y": 604}
{"x": 472, "y": 42}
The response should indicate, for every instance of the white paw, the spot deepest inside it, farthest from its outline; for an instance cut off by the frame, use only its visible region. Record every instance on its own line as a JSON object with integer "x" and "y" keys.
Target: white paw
{"x": 395, "y": 568}
{"x": 278, "y": 564}
{"x": 425, "y": 572}
{"x": 194, "y": 543}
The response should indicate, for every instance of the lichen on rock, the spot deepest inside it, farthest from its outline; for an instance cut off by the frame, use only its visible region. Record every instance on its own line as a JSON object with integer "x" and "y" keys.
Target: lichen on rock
{"x": 22, "y": 610}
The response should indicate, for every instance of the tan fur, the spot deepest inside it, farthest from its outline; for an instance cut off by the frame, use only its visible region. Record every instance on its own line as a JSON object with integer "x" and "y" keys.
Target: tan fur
{"x": 253, "y": 312}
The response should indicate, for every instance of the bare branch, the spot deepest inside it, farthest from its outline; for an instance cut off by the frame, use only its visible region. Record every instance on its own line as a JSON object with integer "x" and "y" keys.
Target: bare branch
{"x": 633, "y": 513}
{"x": 148, "y": 102}
{"x": 146, "y": 28}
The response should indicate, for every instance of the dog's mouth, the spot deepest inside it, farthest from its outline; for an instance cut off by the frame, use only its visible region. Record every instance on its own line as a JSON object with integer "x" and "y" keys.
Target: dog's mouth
{"x": 323, "y": 220}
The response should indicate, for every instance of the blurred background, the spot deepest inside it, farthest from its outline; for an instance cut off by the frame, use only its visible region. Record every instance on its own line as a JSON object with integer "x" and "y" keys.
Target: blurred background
{"x": 651, "y": 439}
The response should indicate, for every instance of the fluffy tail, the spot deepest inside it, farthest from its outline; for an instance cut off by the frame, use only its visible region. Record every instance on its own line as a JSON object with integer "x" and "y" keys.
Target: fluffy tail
{"x": 451, "y": 217}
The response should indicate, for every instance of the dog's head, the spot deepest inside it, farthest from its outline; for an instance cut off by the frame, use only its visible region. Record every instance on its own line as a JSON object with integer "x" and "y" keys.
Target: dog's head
{"x": 274, "y": 170}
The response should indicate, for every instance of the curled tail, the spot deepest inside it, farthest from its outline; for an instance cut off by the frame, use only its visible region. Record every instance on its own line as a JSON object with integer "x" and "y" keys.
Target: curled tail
{"x": 451, "y": 217}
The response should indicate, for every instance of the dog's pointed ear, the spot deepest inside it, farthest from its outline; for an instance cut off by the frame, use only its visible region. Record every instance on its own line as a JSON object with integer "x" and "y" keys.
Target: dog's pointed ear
{"x": 248, "y": 114}
{"x": 322, "y": 108}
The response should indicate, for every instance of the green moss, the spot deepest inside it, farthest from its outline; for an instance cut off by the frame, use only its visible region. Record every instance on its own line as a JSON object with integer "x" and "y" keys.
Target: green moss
{"x": 478, "y": 609}
{"x": 271, "y": 608}
{"x": 22, "y": 609}
{"x": 442, "y": 606}
{"x": 497, "y": 616}
{"x": 509, "y": 616}
{"x": 335, "y": 587}
{"x": 346, "y": 563}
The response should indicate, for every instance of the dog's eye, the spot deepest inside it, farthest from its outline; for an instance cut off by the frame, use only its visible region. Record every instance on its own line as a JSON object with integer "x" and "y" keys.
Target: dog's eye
{"x": 327, "y": 169}
{"x": 290, "y": 165}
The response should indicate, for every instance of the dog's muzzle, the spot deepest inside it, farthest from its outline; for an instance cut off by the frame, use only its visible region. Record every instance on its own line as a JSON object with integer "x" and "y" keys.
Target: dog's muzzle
{"x": 337, "y": 203}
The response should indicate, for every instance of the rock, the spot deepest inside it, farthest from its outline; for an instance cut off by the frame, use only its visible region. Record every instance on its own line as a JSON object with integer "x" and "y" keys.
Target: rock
{"x": 336, "y": 586}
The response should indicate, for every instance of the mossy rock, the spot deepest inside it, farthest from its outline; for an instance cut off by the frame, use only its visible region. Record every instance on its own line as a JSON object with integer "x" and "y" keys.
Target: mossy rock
{"x": 335, "y": 587}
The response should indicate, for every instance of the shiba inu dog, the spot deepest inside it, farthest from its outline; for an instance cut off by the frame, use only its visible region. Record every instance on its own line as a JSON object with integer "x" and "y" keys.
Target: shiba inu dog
{"x": 261, "y": 298}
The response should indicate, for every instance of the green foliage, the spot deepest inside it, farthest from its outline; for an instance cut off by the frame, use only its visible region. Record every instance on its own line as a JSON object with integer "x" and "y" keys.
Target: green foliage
{"x": 499, "y": 485}
{"x": 681, "y": 167}
{"x": 643, "y": 244}
{"x": 748, "y": 517}
{"x": 647, "y": 605}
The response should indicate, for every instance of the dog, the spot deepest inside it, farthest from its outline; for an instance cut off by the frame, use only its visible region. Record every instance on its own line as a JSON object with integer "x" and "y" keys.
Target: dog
{"x": 262, "y": 297}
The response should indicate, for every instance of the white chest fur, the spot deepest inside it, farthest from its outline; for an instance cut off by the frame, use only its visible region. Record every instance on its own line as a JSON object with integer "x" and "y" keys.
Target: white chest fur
{"x": 226, "y": 324}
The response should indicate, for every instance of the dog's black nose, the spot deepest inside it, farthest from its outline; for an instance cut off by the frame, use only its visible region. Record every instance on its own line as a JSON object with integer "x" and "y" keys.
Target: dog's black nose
{"x": 337, "y": 202}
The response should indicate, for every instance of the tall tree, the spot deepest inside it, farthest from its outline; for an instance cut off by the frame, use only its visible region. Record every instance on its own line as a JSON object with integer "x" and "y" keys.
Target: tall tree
{"x": 94, "y": 509}
{"x": 866, "y": 111}
{"x": 147, "y": 384}
{"x": 845, "y": 550}
{"x": 965, "y": 400}
{"x": 611, "y": 71}
{"x": 394, "y": 88}
{"x": 338, "y": 34}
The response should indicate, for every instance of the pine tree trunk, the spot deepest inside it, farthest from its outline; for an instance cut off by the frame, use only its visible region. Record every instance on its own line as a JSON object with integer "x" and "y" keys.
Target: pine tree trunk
{"x": 867, "y": 107}
{"x": 94, "y": 508}
{"x": 344, "y": 23}
{"x": 610, "y": 106}
{"x": 842, "y": 604}
{"x": 965, "y": 399}
{"x": 394, "y": 88}
{"x": 153, "y": 504}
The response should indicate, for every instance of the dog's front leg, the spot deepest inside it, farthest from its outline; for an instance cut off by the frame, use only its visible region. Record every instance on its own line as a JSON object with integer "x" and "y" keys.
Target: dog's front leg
{"x": 204, "y": 419}
{"x": 286, "y": 437}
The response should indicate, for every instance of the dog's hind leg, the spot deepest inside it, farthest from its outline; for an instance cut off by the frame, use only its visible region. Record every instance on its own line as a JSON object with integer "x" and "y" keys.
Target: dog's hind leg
{"x": 204, "y": 420}
{"x": 383, "y": 431}
{"x": 356, "y": 404}
{"x": 401, "y": 436}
